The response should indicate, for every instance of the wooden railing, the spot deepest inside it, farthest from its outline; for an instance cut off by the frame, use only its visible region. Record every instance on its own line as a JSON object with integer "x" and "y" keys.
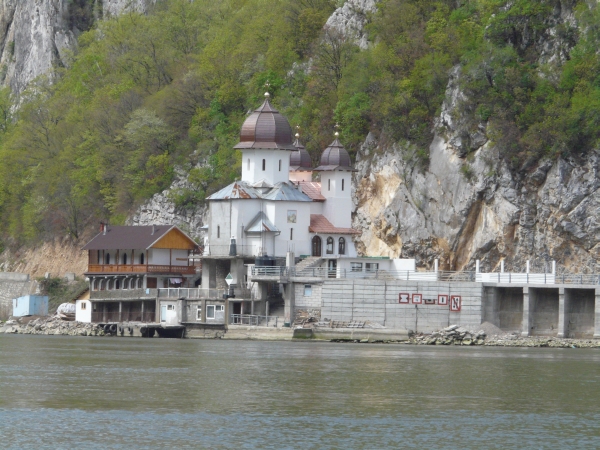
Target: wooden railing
{"x": 140, "y": 268}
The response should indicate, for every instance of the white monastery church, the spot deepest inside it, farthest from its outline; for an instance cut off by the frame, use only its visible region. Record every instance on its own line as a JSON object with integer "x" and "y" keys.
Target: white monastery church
{"x": 277, "y": 215}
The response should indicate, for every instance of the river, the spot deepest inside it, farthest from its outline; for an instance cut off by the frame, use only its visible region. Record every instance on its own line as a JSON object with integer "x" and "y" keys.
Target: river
{"x": 65, "y": 392}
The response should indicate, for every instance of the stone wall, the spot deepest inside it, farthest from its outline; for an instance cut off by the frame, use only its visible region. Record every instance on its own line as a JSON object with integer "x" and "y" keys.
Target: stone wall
{"x": 312, "y": 302}
{"x": 13, "y": 285}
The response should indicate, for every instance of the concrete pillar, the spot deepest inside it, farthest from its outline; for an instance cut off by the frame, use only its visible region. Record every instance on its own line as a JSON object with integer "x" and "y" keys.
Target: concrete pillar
{"x": 527, "y": 266}
{"x": 477, "y": 266}
{"x": 266, "y": 308}
{"x": 290, "y": 260}
{"x": 436, "y": 265}
{"x": 562, "y": 315}
{"x": 103, "y": 311}
{"x": 209, "y": 280}
{"x": 289, "y": 302}
{"x": 502, "y": 266}
{"x": 120, "y": 311}
{"x": 528, "y": 302}
{"x": 227, "y": 303}
{"x": 597, "y": 315}
{"x": 252, "y": 306}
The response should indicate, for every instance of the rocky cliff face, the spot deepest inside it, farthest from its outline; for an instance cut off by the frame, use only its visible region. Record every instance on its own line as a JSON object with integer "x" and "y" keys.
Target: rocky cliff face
{"x": 351, "y": 18}
{"x": 161, "y": 209}
{"x": 461, "y": 209}
{"x": 35, "y": 35}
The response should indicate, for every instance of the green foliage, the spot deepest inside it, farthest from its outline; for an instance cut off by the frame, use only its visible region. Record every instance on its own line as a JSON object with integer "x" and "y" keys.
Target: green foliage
{"x": 147, "y": 95}
{"x": 60, "y": 291}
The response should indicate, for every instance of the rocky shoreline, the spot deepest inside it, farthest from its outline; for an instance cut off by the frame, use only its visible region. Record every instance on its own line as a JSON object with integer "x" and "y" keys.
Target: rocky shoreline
{"x": 452, "y": 335}
{"x": 455, "y": 335}
{"x": 50, "y": 326}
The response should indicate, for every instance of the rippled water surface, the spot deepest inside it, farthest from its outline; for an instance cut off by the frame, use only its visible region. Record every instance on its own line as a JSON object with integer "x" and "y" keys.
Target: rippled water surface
{"x": 62, "y": 392}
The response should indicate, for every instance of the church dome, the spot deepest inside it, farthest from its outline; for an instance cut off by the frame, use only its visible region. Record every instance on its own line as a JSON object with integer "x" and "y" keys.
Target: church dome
{"x": 266, "y": 128}
{"x": 335, "y": 157}
{"x": 300, "y": 159}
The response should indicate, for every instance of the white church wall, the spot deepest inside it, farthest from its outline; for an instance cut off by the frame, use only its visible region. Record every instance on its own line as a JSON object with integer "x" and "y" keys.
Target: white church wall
{"x": 220, "y": 227}
{"x": 338, "y": 206}
{"x": 276, "y": 165}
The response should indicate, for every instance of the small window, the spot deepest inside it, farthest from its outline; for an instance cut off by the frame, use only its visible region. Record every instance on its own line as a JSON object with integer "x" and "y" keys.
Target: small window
{"x": 199, "y": 313}
{"x": 124, "y": 258}
{"x": 291, "y": 234}
{"x": 220, "y": 308}
{"x": 98, "y": 257}
{"x": 280, "y": 165}
{"x": 218, "y": 231}
{"x": 372, "y": 267}
{"x": 83, "y": 305}
{"x": 342, "y": 246}
{"x": 329, "y": 184}
{"x": 342, "y": 184}
{"x": 141, "y": 258}
{"x": 107, "y": 258}
{"x": 264, "y": 164}
{"x": 210, "y": 311}
{"x": 356, "y": 267}
{"x": 248, "y": 164}
{"x": 307, "y": 290}
{"x": 170, "y": 307}
{"x": 330, "y": 245}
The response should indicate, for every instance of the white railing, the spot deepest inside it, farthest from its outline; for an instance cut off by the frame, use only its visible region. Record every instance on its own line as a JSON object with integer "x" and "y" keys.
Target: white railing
{"x": 253, "y": 320}
{"x": 191, "y": 293}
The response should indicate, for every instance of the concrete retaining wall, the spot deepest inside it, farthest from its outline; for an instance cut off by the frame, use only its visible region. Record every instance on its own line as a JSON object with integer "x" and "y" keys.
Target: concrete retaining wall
{"x": 579, "y": 313}
{"x": 378, "y": 301}
{"x": 544, "y": 311}
{"x": 13, "y": 285}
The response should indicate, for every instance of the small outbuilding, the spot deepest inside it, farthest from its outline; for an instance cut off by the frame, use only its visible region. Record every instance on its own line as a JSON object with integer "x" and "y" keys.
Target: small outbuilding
{"x": 30, "y": 305}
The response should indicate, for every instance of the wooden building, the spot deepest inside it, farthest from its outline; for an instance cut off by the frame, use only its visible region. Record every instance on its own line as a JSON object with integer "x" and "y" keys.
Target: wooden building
{"x": 127, "y": 263}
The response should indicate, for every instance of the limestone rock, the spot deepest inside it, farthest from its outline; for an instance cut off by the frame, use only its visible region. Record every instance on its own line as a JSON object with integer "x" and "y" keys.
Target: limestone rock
{"x": 351, "y": 18}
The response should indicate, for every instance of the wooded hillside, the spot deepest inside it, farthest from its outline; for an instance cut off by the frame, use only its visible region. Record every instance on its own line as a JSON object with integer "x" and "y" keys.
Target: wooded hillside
{"x": 148, "y": 95}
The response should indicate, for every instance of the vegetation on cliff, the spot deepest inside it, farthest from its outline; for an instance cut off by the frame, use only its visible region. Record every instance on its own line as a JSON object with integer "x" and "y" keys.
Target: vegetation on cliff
{"x": 147, "y": 95}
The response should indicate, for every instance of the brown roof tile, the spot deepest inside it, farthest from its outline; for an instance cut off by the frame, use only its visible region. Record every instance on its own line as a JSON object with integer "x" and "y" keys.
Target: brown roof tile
{"x": 320, "y": 224}
{"x": 312, "y": 189}
{"x": 126, "y": 237}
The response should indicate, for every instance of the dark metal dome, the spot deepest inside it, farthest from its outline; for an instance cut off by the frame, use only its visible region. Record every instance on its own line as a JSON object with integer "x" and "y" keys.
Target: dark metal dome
{"x": 266, "y": 128}
{"x": 335, "y": 157}
{"x": 300, "y": 159}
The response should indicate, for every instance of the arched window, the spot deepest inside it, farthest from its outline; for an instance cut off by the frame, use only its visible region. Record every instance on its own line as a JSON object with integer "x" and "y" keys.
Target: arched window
{"x": 118, "y": 284}
{"x": 329, "y": 184}
{"x": 264, "y": 164}
{"x": 280, "y": 165}
{"x": 342, "y": 184}
{"x": 140, "y": 283}
{"x": 316, "y": 246}
{"x": 342, "y": 246}
{"x": 330, "y": 245}
{"x": 124, "y": 258}
{"x": 248, "y": 163}
{"x": 107, "y": 258}
{"x": 142, "y": 258}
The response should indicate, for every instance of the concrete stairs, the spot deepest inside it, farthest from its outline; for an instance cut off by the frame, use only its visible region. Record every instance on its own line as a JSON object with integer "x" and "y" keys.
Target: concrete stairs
{"x": 276, "y": 311}
{"x": 308, "y": 263}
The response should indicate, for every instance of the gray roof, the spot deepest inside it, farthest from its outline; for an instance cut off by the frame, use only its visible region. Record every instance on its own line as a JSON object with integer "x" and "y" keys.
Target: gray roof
{"x": 259, "y": 224}
{"x": 335, "y": 157}
{"x": 242, "y": 190}
{"x": 126, "y": 237}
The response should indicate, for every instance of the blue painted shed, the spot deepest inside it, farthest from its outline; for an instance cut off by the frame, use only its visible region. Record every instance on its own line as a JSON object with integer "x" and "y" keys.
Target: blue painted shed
{"x": 30, "y": 305}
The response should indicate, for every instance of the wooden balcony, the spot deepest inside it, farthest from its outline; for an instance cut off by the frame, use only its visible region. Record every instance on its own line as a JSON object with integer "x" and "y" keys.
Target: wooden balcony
{"x": 140, "y": 268}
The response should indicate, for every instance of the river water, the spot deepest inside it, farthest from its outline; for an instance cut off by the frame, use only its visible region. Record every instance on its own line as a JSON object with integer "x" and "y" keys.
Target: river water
{"x": 65, "y": 392}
